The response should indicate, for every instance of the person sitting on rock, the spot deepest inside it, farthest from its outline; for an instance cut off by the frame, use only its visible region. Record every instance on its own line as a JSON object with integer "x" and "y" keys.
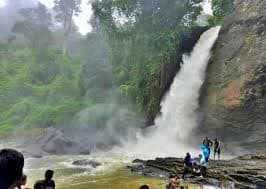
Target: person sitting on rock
{"x": 203, "y": 164}
{"x": 188, "y": 160}
{"x": 11, "y": 168}
{"x": 216, "y": 148}
{"x": 188, "y": 163}
{"x": 47, "y": 183}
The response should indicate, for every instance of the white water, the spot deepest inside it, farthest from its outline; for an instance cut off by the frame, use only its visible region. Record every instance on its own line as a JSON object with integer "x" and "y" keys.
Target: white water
{"x": 171, "y": 134}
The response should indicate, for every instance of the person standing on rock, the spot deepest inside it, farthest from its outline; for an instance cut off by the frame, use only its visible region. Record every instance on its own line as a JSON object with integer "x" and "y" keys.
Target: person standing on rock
{"x": 208, "y": 143}
{"x": 205, "y": 152}
{"x": 216, "y": 148}
{"x": 47, "y": 183}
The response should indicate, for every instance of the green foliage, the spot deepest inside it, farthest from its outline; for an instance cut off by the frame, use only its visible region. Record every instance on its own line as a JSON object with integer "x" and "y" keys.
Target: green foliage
{"x": 221, "y": 9}
{"x": 142, "y": 36}
{"x": 39, "y": 88}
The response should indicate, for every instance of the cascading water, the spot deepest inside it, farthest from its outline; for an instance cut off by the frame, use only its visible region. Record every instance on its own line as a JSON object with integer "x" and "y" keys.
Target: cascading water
{"x": 171, "y": 134}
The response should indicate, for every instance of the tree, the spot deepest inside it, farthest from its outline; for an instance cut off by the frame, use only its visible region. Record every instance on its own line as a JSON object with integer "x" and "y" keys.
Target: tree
{"x": 221, "y": 8}
{"x": 35, "y": 25}
{"x": 65, "y": 10}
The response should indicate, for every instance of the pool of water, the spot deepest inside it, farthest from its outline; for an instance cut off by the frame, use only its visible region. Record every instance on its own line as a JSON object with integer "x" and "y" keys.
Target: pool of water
{"x": 112, "y": 174}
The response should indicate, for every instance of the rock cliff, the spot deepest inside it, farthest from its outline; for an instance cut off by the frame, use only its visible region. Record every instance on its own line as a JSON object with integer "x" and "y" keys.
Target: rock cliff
{"x": 233, "y": 98}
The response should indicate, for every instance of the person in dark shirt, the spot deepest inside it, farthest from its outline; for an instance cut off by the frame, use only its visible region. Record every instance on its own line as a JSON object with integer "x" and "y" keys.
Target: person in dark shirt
{"x": 188, "y": 163}
{"x": 47, "y": 183}
{"x": 188, "y": 160}
{"x": 217, "y": 148}
{"x": 11, "y": 168}
{"x": 207, "y": 142}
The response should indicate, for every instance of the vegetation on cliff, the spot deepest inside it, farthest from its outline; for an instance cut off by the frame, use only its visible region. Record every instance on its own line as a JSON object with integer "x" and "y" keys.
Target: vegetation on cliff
{"x": 221, "y": 9}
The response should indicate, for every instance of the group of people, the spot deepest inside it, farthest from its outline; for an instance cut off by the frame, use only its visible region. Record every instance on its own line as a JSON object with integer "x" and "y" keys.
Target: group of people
{"x": 207, "y": 143}
{"x": 200, "y": 167}
{"x": 11, "y": 172}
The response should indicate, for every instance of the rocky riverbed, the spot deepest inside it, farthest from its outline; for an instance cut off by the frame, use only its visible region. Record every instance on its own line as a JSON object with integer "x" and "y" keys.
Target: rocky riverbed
{"x": 244, "y": 172}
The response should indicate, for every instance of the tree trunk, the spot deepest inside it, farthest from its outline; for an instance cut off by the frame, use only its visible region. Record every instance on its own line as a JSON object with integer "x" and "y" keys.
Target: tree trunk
{"x": 64, "y": 48}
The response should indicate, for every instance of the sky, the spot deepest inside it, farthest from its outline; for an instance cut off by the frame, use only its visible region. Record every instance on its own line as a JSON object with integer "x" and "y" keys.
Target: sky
{"x": 81, "y": 20}
{"x": 2, "y": 3}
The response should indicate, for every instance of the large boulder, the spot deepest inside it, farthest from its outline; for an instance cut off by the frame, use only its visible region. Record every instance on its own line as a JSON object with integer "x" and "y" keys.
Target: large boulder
{"x": 54, "y": 141}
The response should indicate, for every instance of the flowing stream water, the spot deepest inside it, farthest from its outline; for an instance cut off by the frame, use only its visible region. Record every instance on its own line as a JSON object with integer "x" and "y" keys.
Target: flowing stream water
{"x": 169, "y": 137}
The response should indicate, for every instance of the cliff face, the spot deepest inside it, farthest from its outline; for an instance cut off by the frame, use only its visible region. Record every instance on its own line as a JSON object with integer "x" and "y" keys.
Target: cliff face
{"x": 233, "y": 98}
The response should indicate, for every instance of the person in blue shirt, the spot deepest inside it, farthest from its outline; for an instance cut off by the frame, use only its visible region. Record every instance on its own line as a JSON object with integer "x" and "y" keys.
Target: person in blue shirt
{"x": 205, "y": 152}
{"x": 208, "y": 143}
{"x": 203, "y": 165}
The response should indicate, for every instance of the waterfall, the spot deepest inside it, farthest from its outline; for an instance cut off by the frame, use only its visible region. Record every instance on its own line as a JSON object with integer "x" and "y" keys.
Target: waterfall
{"x": 171, "y": 134}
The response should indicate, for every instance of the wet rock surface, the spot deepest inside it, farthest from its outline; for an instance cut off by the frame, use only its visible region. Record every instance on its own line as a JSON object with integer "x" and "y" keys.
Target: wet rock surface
{"x": 245, "y": 172}
{"x": 85, "y": 162}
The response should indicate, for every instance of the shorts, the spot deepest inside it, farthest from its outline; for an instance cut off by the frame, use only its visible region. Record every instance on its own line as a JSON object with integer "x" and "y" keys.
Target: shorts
{"x": 217, "y": 150}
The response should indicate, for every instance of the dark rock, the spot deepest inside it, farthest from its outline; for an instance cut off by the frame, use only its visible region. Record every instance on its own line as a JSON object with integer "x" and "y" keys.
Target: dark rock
{"x": 138, "y": 161}
{"x": 54, "y": 141}
{"x": 86, "y": 162}
{"x": 245, "y": 171}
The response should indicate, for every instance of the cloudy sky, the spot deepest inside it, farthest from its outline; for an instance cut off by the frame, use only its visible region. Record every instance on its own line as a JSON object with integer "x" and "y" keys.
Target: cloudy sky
{"x": 81, "y": 21}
